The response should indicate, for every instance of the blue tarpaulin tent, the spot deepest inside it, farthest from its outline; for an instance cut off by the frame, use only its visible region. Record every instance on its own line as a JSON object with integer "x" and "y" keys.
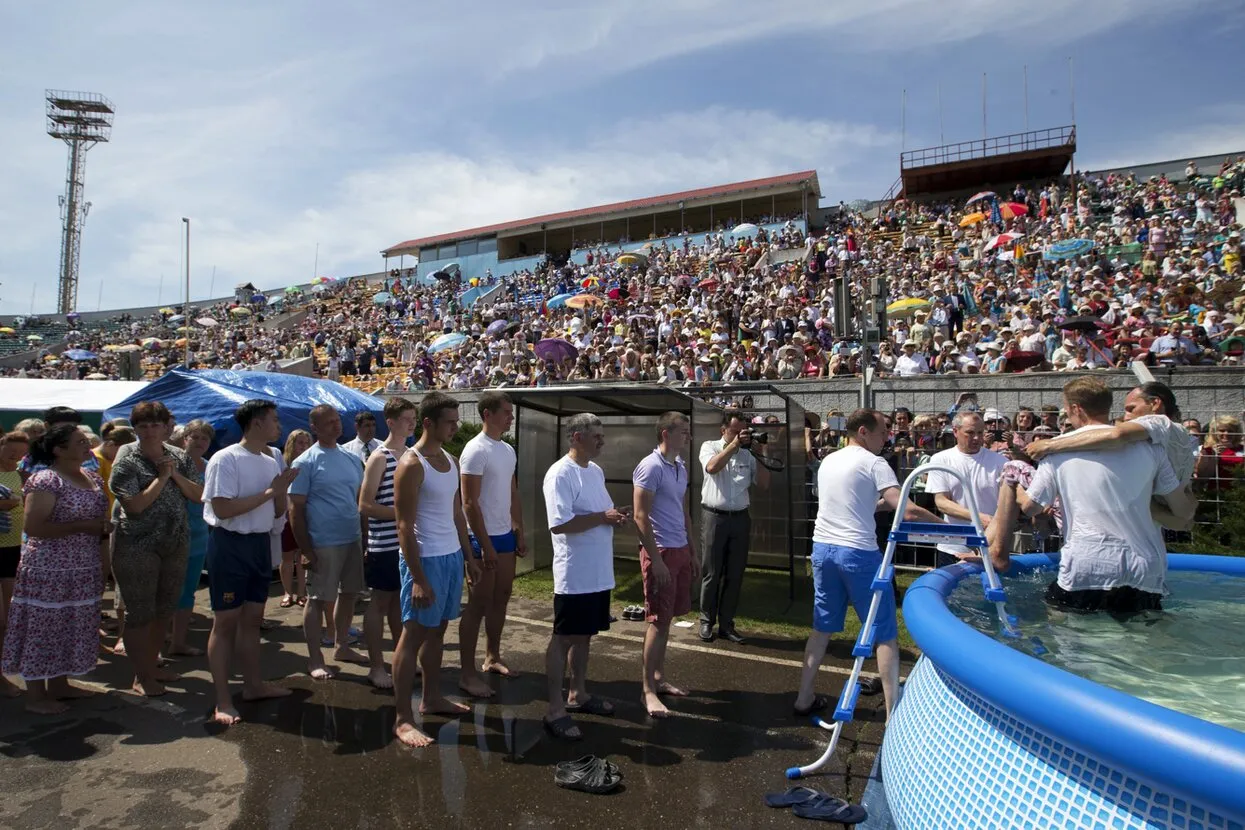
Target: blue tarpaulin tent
{"x": 214, "y": 394}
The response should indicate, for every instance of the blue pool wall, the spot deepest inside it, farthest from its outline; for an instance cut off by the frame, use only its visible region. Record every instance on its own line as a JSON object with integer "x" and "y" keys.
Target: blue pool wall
{"x": 1195, "y": 761}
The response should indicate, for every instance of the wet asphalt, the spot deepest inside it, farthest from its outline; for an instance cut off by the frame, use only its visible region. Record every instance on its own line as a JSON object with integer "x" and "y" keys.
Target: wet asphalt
{"x": 325, "y": 756}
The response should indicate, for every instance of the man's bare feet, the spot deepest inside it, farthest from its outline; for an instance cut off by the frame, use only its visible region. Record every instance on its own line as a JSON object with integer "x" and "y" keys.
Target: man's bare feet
{"x": 167, "y": 675}
{"x": 226, "y": 716}
{"x": 47, "y": 707}
{"x": 443, "y": 706}
{"x": 475, "y": 686}
{"x": 150, "y": 689}
{"x": 409, "y": 735}
{"x": 498, "y": 667}
{"x": 264, "y": 691}
{"x": 665, "y": 687}
{"x": 654, "y": 706}
{"x": 323, "y": 673}
{"x": 349, "y": 655}
{"x": 380, "y": 678}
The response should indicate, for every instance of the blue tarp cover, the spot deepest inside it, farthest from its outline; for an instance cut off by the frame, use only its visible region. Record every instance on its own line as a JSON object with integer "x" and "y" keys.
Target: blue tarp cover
{"x": 214, "y": 394}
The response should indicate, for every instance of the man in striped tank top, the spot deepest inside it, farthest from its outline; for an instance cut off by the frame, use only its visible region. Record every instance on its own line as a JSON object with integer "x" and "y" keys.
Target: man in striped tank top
{"x": 380, "y": 562}
{"x": 432, "y": 535}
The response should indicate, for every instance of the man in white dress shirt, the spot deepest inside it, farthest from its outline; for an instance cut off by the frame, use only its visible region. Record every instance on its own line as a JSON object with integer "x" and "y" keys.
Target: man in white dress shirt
{"x": 365, "y": 441}
{"x": 730, "y": 472}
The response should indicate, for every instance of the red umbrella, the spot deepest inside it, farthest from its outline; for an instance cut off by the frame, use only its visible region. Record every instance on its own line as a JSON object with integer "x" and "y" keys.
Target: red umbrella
{"x": 618, "y": 294}
{"x": 1003, "y": 240}
{"x": 1010, "y": 210}
{"x": 708, "y": 282}
{"x": 1018, "y": 360}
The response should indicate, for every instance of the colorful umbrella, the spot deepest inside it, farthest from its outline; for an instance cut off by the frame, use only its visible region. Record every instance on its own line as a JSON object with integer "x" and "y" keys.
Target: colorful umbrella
{"x": 972, "y": 219}
{"x": 80, "y": 354}
{"x": 1010, "y": 210}
{"x": 167, "y": 310}
{"x": 1003, "y": 240}
{"x": 1233, "y": 345}
{"x": 589, "y": 282}
{"x": 321, "y": 280}
{"x": 446, "y": 342}
{"x": 555, "y": 349}
{"x": 906, "y": 306}
{"x": 983, "y": 196}
{"x": 151, "y": 342}
{"x": 1067, "y": 249}
{"x": 708, "y": 283}
{"x": 293, "y": 289}
{"x": 746, "y": 229}
{"x": 240, "y": 311}
{"x": 583, "y": 301}
{"x": 618, "y": 293}
{"x": 629, "y": 260}
{"x": 6, "y": 330}
{"x": 559, "y": 300}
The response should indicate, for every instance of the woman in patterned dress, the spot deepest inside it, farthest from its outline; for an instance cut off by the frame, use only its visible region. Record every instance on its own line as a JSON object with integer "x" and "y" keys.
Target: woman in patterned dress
{"x": 53, "y": 630}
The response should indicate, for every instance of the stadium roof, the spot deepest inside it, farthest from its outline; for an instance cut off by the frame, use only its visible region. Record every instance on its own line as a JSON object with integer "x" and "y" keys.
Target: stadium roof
{"x": 787, "y": 180}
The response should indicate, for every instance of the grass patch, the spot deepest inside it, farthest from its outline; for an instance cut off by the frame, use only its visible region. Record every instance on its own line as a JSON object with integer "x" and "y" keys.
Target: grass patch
{"x": 765, "y": 607}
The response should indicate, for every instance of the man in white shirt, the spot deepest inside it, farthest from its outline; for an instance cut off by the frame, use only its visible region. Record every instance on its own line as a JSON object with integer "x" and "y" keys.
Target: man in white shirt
{"x": 495, "y": 517}
{"x": 982, "y": 468}
{"x": 730, "y": 470}
{"x": 911, "y": 363}
{"x": 581, "y": 520}
{"x": 365, "y": 441}
{"x": 1113, "y": 557}
{"x": 244, "y": 491}
{"x": 853, "y": 483}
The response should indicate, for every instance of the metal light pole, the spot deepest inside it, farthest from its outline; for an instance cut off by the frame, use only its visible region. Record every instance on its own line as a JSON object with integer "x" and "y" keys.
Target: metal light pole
{"x": 186, "y": 307}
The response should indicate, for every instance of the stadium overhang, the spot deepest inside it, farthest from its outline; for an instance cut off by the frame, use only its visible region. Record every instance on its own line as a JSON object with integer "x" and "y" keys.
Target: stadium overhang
{"x": 977, "y": 165}
{"x": 791, "y": 192}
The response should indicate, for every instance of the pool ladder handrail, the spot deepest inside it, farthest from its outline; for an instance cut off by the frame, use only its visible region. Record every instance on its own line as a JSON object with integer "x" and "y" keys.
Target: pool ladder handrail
{"x": 972, "y": 536}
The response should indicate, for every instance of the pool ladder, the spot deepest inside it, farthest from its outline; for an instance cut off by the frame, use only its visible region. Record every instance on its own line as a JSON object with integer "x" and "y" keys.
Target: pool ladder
{"x": 969, "y": 535}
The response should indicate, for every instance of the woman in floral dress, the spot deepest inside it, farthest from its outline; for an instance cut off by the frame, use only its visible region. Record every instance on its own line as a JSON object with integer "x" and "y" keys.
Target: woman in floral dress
{"x": 53, "y": 628}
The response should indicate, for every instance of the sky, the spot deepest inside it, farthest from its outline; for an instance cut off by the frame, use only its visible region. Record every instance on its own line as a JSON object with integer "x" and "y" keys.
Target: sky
{"x": 283, "y": 129}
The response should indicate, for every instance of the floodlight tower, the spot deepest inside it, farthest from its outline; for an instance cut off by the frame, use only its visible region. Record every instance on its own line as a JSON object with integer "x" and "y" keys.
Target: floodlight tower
{"x": 81, "y": 120}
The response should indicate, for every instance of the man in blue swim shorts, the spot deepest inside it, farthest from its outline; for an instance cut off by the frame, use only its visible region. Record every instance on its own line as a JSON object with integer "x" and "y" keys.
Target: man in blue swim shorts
{"x": 490, "y": 495}
{"x": 853, "y": 483}
{"x": 432, "y": 535}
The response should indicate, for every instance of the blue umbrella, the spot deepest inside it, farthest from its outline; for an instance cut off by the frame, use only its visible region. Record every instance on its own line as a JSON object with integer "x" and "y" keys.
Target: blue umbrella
{"x": 560, "y": 300}
{"x": 381, "y": 298}
{"x": 80, "y": 354}
{"x": 1067, "y": 249}
{"x": 495, "y": 328}
{"x": 446, "y": 342}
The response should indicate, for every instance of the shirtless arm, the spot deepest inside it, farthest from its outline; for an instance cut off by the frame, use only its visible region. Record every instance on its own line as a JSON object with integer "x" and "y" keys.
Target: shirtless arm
{"x": 407, "y": 480}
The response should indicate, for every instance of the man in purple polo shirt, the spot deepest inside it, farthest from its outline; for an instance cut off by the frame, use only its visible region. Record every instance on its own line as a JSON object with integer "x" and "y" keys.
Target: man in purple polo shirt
{"x": 669, "y": 562}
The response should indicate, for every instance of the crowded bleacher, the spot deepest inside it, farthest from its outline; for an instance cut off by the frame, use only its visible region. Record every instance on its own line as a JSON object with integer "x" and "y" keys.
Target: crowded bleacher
{"x": 1084, "y": 273}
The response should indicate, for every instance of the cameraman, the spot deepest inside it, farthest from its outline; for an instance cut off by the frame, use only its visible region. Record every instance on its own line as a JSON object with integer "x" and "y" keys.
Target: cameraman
{"x": 730, "y": 471}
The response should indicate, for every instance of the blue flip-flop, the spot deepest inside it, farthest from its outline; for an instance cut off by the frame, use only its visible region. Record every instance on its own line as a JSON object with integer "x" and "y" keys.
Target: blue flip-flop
{"x": 829, "y": 808}
{"x": 792, "y": 797}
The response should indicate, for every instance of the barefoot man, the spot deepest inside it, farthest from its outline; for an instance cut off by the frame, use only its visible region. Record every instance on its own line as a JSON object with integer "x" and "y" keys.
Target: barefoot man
{"x": 324, "y": 515}
{"x": 380, "y": 563}
{"x": 669, "y": 562}
{"x": 243, "y": 494}
{"x": 432, "y": 535}
{"x": 495, "y": 516}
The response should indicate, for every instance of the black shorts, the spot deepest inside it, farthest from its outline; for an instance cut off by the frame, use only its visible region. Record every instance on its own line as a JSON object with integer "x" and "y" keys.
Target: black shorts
{"x": 9, "y": 558}
{"x": 1122, "y": 600}
{"x": 239, "y": 567}
{"x": 380, "y": 570}
{"x": 578, "y": 615}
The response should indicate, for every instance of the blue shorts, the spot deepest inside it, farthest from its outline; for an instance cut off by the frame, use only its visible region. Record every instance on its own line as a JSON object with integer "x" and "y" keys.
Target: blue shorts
{"x": 194, "y": 571}
{"x": 445, "y": 577}
{"x": 502, "y": 543}
{"x": 239, "y": 568}
{"x": 841, "y": 575}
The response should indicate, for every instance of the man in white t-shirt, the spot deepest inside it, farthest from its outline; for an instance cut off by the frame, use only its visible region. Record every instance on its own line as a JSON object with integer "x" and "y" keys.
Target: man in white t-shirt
{"x": 582, "y": 519}
{"x": 853, "y": 483}
{"x": 1113, "y": 557}
{"x": 244, "y": 492}
{"x": 495, "y": 516}
{"x": 982, "y": 468}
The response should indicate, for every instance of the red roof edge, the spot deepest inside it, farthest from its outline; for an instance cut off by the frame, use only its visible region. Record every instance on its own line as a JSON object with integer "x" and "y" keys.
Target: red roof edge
{"x": 633, "y": 204}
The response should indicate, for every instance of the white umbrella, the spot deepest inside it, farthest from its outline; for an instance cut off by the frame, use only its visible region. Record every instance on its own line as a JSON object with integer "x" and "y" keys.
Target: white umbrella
{"x": 206, "y": 321}
{"x": 746, "y": 229}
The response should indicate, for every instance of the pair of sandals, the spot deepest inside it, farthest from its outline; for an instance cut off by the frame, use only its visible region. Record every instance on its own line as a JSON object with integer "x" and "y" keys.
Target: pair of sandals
{"x": 805, "y": 802}
{"x": 588, "y": 774}
{"x": 633, "y": 613}
{"x": 289, "y": 600}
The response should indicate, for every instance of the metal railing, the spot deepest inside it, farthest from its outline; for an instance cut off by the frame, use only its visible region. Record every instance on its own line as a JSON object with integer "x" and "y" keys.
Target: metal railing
{"x": 1047, "y": 139}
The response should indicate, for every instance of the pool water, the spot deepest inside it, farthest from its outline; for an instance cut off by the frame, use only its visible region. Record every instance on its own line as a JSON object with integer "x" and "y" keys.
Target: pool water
{"x": 1189, "y": 657}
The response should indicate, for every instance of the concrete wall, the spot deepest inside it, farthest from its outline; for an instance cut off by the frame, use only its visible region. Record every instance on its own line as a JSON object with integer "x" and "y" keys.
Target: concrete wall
{"x": 1201, "y": 392}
